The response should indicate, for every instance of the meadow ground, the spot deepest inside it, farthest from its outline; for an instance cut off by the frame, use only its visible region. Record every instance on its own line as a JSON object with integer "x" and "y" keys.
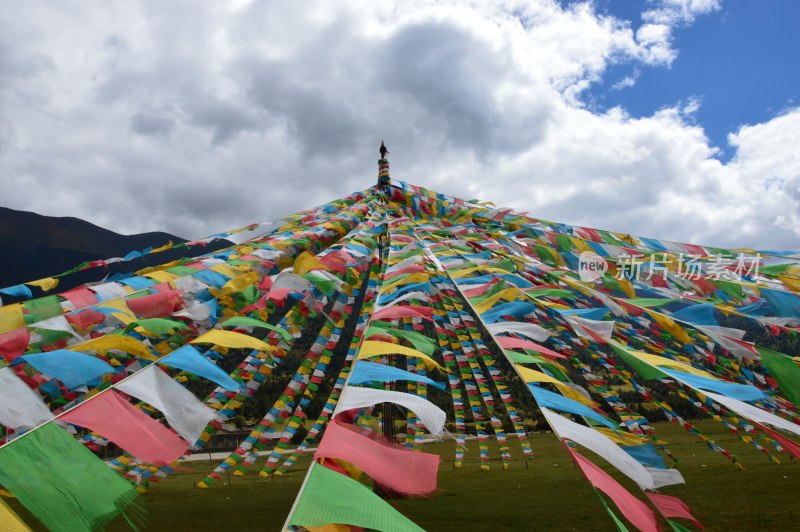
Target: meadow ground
{"x": 550, "y": 494}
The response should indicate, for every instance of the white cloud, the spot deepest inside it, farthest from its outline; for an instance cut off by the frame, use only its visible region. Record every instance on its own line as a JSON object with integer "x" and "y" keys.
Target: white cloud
{"x": 626, "y": 82}
{"x": 674, "y": 12}
{"x": 768, "y": 170}
{"x": 194, "y": 118}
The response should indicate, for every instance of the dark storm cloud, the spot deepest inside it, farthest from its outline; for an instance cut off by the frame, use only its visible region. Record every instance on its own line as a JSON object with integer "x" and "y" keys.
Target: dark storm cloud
{"x": 449, "y": 76}
{"x": 19, "y": 64}
{"x": 225, "y": 119}
{"x": 319, "y": 118}
{"x": 149, "y": 124}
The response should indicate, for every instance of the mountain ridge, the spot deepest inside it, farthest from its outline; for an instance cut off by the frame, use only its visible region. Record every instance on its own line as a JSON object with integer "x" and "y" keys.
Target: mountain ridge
{"x": 36, "y": 246}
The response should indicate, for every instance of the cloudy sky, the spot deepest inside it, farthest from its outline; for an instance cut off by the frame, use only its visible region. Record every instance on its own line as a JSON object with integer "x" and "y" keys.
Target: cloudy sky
{"x": 675, "y": 119}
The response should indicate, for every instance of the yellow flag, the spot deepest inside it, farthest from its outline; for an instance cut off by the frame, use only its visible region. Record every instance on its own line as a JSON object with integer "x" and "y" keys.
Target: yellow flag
{"x": 123, "y": 313}
{"x": 11, "y": 317}
{"x": 230, "y": 271}
{"x": 531, "y": 375}
{"x": 509, "y": 294}
{"x": 9, "y": 521}
{"x": 239, "y": 283}
{"x": 626, "y": 238}
{"x": 306, "y": 262}
{"x": 467, "y": 271}
{"x": 334, "y": 527}
{"x": 670, "y": 326}
{"x": 581, "y": 244}
{"x": 372, "y": 349}
{"x": 622, "y": 438}
{"x": 467, "y": 215}
{"x": 162, "y": 248}
{"x": 658, "y": 361}
{"x": 125, "y": 344}
{"x": 792, "y": 283}
{"x": 232, "y": 339}
{"x": 160, "y": 275}
{"x": 627, "y": 287}
{"x": 728, "y": 310}
{"x": 419, "y": 277}
{"x": 580, "y": 286}
{"x": 46, "y": 284}
{"x": 550, "y": 304}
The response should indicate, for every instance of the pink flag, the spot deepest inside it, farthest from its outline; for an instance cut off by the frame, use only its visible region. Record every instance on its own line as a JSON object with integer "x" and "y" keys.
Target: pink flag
{"x": 390, "y": 465}
{"x": 337, "y": 260}
{"x": 416, "y": 268}
{"x": 155, "y": 305}
{"x": 788, "y": 445}
{"x": 85, "y": 318}
{"x": 14, "y": 343}
{"x": 265, "y": 283}
{"x": 515, "y": 343}
{"x": 393, "y": 313}
{"x": 80, "y": 297}
{"x": 480, "y": 290}
{"x": 279, "y": 295}
{"x": 114, "y": 418}
{"x": 632, "y": 508}
{"x": 672, "y": 507}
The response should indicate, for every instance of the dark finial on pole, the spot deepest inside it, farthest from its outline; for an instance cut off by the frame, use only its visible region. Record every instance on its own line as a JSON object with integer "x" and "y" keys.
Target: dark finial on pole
{"x": 383, "y": 166}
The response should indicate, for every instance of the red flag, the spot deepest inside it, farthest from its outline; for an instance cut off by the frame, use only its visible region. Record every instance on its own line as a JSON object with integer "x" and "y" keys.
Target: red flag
{"x": 632, "y": 508}
{"x": 80, "y": 297}
{"x": 155, "y": 305}
{"x": 390, "y": 465}
{"x": 415, "y": 268}
{"x": 337, "y": 260}
{"x": 13, "y": 343}
{"x": 85, "y": 318}
{"x": 410, "y": 311}
{"x": 672, "y": 507}
{"x": 515, "y": 343}
{"x": 115, "y": 418}
{"x": 480, "y": 290}
{"x": 279, "y": 295}
{"x": 789, "y": 445}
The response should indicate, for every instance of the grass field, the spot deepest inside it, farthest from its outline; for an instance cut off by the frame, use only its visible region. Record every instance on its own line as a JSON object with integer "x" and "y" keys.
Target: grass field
{"x": 550, "y": 494}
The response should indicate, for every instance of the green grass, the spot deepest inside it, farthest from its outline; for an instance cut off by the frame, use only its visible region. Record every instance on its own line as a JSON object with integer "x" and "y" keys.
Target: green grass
{"x": 550, "y": 494}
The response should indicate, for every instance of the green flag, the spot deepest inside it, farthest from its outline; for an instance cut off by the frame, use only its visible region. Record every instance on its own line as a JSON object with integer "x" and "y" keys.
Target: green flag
{"x": 494, "y": 289}
{"x": 784, "y": 370}
{"x": 732, "y": 289}
{"x": 645, "y": 370}
{"x": 244, "y": 321}
{"x": 418, "y": 340}
{"x": 651, "y": 301}
{"x": 157, "y": 326}
{"x": 551, "y": 292}
{"x": 545, "y": 255}
{"x": 522, "y": 358}
{"x": 331, "y": 497}
{"x": 677, "y": 527}
{"x": 42, "y": 308}
{"x": 61, "y": 482}
{"x": 775, "y": 269}
{"x": 182, "y": 271}
{"x": 617, "y": 521}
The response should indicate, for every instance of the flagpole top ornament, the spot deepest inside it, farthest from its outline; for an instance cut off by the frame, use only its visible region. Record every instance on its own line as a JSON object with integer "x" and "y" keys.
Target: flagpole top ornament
{"x": 383, "y": 166}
